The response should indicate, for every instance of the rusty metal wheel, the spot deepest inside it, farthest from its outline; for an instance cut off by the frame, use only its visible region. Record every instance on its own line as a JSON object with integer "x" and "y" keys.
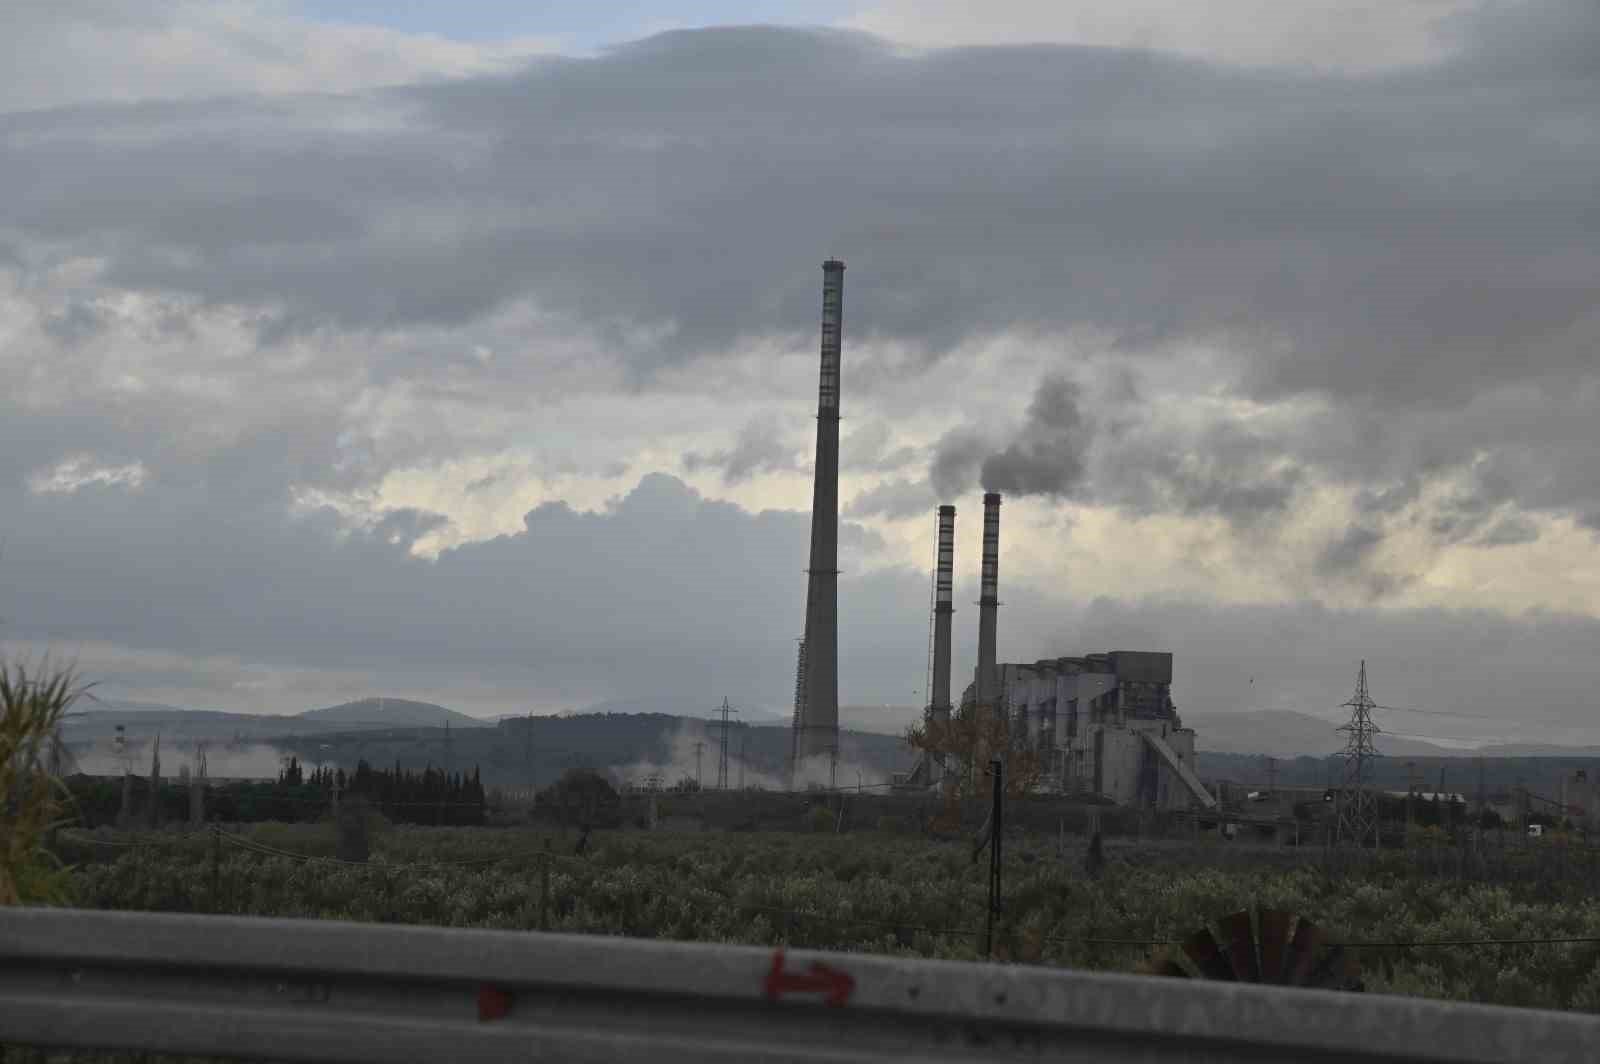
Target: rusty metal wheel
{"x": 1263, "y": 946}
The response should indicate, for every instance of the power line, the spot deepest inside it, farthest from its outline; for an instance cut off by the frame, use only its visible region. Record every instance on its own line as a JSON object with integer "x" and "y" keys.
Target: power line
{"x": 1441, "y": 712}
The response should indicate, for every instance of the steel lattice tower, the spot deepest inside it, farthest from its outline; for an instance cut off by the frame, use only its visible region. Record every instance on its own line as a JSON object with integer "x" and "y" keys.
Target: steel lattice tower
{"x": 721, "y": 721}
{"x": 1358, "y": 812}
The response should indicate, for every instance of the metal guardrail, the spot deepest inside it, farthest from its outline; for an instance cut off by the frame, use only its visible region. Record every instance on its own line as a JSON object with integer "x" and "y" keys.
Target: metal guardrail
{"x": 310, "y": 990}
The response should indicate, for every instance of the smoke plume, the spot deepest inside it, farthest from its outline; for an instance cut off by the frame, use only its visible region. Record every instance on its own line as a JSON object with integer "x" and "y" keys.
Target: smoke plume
{"x": 1046, "y": 458}
{"x": 1045, "y": 455}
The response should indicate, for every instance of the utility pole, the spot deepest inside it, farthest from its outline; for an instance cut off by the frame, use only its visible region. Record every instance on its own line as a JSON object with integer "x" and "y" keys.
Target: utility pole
{"x": 1358, "y": 813}
{"x": 527, "y": 754}
{"x": 699, "y": 747}
{"x": 722, "y": 761}
{"x": 1480, "y": 799}
{"x": 833, "y": 767}
{"x": 996, "y": 822}
{"x": 1411, "y": 795}
{"x": 1272, "y": 777}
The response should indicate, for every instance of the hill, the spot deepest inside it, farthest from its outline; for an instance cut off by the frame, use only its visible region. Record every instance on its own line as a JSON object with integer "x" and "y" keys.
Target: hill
{"x": 390, "y": 713}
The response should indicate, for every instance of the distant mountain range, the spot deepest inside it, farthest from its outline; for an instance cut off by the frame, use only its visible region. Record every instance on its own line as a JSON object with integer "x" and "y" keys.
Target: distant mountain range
{"x": 1285, "y": 734}
{"x": 1275, "y": 733}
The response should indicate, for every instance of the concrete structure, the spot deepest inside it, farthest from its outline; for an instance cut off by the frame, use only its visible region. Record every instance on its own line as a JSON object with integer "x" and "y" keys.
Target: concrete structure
{"x": 989, "y": 601}
{"x": 1106, "y": 726}
{"x": 817, "y": 730}
{"x": 939, "y": 706}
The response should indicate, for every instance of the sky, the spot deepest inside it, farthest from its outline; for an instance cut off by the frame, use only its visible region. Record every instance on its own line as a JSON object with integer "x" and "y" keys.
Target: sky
{"x": 468, "y": 352}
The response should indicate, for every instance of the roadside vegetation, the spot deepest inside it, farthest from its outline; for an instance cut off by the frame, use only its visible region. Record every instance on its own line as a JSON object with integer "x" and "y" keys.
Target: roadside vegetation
{"x": 873, "y": 892}
{"x": 32, "y": 705}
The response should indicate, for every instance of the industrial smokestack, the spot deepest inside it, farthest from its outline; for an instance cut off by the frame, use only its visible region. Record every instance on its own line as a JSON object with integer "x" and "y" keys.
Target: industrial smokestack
{"x": 989, "y": 600}
{"x": 819, "y": 732}
{"x": 943, "y": 608}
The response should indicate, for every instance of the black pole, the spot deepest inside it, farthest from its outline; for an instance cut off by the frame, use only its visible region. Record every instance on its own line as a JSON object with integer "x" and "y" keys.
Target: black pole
{"x": 997, "y": 770}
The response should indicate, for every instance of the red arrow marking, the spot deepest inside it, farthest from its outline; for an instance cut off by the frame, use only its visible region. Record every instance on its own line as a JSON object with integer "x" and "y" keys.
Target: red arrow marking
{"x": 834, "y": 985}
{"x": 493, "y": 1003}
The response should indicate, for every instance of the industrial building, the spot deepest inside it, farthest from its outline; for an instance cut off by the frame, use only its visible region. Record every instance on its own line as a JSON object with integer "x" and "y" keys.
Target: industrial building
{"x": 1104, "y": 724}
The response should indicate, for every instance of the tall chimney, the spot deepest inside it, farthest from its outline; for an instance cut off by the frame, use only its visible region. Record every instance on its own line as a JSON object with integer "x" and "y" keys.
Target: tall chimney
{"x": 989, "y": 600}
{"x": 820, "y": 728}
{"x": 943, "y": 608}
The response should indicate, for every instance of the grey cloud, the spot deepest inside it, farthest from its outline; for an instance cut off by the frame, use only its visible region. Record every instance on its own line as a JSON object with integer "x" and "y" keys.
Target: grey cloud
{"x": 77, "y": 322}
{"x": 1222, "y": 469}
{"x": 871, "y": 449}
{"x": 405, "y": 526}
{"x": 1509, "y": 532}
{"x": 1348, "y": 561}
{"x": 759, "y": 448}
{"x": 895, "y": 500}
{"x": 1350, "y": 551}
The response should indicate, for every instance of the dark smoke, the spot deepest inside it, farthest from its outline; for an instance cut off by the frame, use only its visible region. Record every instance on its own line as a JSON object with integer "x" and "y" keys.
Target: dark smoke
{"x": 956, "y": 459}
{"x": 1046, "y": 458}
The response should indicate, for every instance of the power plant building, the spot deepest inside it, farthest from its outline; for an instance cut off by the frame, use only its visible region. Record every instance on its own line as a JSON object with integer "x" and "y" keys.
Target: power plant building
{"x": 1106, "y": 726}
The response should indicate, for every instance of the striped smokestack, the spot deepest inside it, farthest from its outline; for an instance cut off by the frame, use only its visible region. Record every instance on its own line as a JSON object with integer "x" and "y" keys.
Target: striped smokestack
{"x": 819, "y": 731}
{"x": 943, "y": 608}
{"x": 989, "y": 600}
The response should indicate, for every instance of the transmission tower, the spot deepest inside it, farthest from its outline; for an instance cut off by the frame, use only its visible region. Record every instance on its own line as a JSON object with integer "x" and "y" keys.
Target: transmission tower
{"x": 1358, "y": 812}
{"x": 721, "y": 721}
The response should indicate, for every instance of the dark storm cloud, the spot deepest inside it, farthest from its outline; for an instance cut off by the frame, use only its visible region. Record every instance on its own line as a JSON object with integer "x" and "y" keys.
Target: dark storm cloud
{"x": 589, "y": 602}
{"x": 678, "y": 183}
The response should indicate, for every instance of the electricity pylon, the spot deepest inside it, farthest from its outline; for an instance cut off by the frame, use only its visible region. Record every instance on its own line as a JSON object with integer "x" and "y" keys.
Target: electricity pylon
{"x": 1358, "y": 811}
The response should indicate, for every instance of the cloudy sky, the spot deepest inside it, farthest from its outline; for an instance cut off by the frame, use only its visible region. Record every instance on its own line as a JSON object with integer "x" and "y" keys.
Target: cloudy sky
{"x": 468, "y": 351}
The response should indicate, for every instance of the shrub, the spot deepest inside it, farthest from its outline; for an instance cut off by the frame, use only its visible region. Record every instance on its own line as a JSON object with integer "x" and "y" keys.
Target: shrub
{"x": 31, "y": 708}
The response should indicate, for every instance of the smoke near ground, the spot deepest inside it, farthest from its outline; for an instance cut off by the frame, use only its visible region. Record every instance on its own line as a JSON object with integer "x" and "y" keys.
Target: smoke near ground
{"x": 680, "y": 762}
{"x": 254, "y": 761}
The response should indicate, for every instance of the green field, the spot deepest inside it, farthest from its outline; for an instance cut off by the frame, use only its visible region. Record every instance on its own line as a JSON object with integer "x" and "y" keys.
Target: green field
{"x": 885, "y": 893}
